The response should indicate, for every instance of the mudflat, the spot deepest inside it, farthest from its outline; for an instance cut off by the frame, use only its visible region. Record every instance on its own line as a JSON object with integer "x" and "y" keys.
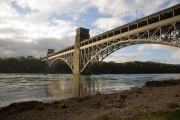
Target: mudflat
{"x": 129, "y": 104}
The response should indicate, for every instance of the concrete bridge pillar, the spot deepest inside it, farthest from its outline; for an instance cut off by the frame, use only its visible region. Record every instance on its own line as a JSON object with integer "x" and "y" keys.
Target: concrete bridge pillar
{"x": 81, "y": 34}
{"x": 49, "y": 51}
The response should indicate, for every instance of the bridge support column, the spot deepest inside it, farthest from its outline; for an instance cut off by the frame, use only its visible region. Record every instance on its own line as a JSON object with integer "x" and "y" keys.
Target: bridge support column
{"x": 49, "y": 51}
{"x": 76, "y": 60}
{"x": 81, "y": 34}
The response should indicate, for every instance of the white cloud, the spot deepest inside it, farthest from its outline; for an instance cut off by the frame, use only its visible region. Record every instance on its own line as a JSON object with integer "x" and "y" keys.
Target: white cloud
{"x": 40, "y": 28}
{"x": 176, "y": 55}
{"x": 123, "y": 8}
{"x": 175, "y": 52}
{"x": 108, "y": 23}
{"x": 173, "y": 2}
{"x": 74, "y": 16}
{"x": 6, "y": 11}
{"x": 55, "y": 6}
{"x": 32, "y": 33}
{"x": 125, "y": 57}
{"x": 94, "y": 32}
{"x": 156, "y": 47}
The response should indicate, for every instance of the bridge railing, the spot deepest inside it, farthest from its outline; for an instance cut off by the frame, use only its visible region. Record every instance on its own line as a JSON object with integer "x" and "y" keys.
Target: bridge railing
{"x": 60, "y": 51}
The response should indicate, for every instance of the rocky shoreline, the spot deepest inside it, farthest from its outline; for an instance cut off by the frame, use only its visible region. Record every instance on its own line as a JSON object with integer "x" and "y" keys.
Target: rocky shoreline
{"x": 163, "y": 83}
{"x": 154, "y": 96}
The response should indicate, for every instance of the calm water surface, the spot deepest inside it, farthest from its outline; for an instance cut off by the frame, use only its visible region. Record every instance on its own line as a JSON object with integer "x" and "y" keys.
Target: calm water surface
{"x": 25, "y": 87}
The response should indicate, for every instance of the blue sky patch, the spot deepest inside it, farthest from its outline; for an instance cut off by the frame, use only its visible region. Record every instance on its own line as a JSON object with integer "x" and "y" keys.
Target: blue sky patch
{"x": 20, "y": 9}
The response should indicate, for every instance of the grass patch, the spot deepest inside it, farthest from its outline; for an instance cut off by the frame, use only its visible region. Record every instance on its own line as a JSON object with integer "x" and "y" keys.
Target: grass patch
{"x": 163, "y": 115}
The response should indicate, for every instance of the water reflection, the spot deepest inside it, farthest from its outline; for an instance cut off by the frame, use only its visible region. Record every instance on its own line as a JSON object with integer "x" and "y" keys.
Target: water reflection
{"x": 74, "y": 86}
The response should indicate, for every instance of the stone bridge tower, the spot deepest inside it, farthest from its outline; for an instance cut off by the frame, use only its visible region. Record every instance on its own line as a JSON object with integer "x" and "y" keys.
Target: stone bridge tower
{"x": 81, "y": 34}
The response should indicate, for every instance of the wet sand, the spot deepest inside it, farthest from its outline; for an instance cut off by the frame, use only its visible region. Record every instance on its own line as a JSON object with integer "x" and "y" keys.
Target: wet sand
{"x": 129, "y": 104}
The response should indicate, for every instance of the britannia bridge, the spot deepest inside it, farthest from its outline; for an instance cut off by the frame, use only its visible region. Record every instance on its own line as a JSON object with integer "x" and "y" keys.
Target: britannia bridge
{"x": 159, "y": 28}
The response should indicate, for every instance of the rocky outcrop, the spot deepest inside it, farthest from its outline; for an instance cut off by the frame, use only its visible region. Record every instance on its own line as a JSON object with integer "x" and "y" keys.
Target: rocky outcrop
{"x": 163, "y": 83}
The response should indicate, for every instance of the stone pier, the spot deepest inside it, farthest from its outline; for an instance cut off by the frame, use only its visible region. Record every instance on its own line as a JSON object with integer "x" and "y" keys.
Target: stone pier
{"x": 81, "y": 34}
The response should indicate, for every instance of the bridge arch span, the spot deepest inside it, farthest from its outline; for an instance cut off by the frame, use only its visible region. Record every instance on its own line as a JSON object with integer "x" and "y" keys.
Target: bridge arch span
{"x": 53, "y": 64}
{"x": 106, "y": 51}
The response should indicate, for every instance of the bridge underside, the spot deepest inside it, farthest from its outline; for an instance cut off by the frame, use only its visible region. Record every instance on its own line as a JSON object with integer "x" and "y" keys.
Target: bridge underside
{"x": 53, "y": 63}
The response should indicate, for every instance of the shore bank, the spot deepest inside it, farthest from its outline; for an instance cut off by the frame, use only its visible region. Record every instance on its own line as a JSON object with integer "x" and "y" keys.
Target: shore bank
{"x": 154, "y": 96}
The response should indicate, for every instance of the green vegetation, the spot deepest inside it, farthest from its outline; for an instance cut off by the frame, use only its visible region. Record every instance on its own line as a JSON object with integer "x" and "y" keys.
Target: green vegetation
{"x": 21, "y": 65}
{"x": 135, "y": 67}
{"x": 159, "y": 115}
{"x": 30, "y": 64}
{"x": 162, "y": 115}
{"x": 63, "y": 68}
{"x": 125, "y": 68}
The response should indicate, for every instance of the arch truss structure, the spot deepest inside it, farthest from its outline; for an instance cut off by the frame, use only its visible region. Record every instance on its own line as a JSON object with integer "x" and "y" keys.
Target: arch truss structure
{"x": 52, "y": 62}
{"x": 159, "y": 28}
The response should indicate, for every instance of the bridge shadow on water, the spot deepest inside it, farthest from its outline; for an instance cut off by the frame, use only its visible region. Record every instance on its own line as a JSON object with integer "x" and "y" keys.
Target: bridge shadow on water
{"x": 73, "y": 86}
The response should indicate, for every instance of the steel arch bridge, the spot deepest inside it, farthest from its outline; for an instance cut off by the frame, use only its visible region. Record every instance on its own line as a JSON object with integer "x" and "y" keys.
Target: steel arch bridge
{"x": 159, "y": 28}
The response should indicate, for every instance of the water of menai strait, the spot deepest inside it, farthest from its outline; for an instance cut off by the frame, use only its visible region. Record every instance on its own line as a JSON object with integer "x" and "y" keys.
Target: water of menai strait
{"x": 25, "y": 87}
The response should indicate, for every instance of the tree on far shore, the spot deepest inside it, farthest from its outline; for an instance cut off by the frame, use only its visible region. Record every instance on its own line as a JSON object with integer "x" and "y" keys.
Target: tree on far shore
{"x": 21, "y": 64}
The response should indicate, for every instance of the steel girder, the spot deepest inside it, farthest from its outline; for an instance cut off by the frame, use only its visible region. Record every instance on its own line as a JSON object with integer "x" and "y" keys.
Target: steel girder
{"x": 52, "y": 63}
{"x": 165, "y": 35}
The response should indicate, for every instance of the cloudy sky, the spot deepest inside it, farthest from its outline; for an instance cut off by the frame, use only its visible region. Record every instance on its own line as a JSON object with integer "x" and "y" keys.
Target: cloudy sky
{"x": 30, "y": 27}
